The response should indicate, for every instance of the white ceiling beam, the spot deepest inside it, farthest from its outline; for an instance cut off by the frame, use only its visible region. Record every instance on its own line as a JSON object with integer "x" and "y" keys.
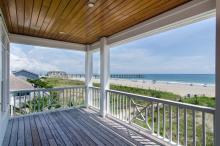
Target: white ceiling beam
{"x": 190, "y": 12}
{"x": 36, "y": 41}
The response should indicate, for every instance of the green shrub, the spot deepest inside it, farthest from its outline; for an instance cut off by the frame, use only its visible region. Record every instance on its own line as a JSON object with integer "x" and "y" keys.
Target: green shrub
{"x": 40, "y": 83}
{"x": 203, "y": 101}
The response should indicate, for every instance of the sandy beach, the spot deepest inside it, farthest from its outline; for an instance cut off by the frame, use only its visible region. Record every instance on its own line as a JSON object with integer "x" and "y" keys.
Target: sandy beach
{"x": 177, "y": 88}
{"x": 183, "y": 89}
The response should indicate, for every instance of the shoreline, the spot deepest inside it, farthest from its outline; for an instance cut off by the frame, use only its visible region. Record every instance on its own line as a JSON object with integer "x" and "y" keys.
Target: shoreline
{"x": 168, "y": 82}
{"x": 182, "y": 89}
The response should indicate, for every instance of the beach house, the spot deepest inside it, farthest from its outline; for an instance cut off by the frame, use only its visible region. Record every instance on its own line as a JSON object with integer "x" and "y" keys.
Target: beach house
{"x": 87, "y": 115}
{"x": 60, "y": 74}
{"x": 24, "y": 74}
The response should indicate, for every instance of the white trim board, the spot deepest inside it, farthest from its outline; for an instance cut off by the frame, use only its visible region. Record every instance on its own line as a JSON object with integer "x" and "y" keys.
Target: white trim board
{"x": 193, "y": 11}
{"x": 29, "y": 40}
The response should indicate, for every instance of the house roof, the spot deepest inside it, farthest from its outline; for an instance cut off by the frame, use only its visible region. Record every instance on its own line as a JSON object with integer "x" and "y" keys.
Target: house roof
{"x": 73, "y": 21}
{"x": 19, "y": 84}
{"x": 23, "y": 70}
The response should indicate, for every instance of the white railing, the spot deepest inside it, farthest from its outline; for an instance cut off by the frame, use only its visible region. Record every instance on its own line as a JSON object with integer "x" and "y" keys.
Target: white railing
{"x": 37, "y": 100}
{"x": 175, "y": 122}
{"x": 95, "y": 97}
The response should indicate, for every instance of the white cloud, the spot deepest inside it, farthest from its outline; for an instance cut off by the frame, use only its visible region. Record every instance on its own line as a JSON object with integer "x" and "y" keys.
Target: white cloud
{"x": 43, "y": 59}
{"x": 18, "y": 63}
{"x": 143, "y": 61}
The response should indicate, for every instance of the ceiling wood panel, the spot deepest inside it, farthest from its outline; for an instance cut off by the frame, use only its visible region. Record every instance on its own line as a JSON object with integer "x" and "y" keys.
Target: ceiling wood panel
{"x": 77, "y": 18}
{"x": 50, "y": 15}
{"x": 124, "y": 22}
{"x": 43, "y": 12}
{"x": 20, "y": 15}
{"x": 84, "y": 15}
{"x": 66, "y": 8}
{"x": 73, "y": 21}
{"x": 94, "y": 16}
{"x": 34, "y": 17}
{"x": 13, "y": 14}
{"x": 96, "y": 21}
{"x": 64, "y": 15}
{"x": 28, "y": 4}
{"x": 116, "y": 16}
{"x": 55, "y": 19}
{"x": 5, "y": 11}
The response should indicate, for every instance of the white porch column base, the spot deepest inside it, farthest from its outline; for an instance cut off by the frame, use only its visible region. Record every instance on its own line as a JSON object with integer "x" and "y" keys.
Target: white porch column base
{"x": 88, "y": 75}
{"x": 217, "y": 73}
{"x": 104, "y": 75}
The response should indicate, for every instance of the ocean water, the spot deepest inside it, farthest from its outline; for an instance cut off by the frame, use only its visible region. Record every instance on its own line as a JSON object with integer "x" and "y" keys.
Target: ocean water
{"x": 182, "y": 78}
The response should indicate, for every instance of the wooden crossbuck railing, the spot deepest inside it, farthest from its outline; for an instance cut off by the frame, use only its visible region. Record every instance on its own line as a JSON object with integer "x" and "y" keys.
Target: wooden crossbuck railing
{"x": 175, "y": 122}
{"x": 37, "y": 100}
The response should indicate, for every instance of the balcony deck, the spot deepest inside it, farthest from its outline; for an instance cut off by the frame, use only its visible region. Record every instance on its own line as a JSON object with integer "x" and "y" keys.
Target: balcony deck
{"x": 72, "y": 127}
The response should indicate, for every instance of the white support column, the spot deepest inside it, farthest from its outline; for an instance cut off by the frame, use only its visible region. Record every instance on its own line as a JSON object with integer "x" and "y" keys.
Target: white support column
{"x": 8, "y": 73}
{"x": 5, "y": 76}
{"x": 88, "y": 74}
{"x": 6, "y": 79}
{"x": 104, "y": 75}
{"x": 3, "y": 82}
{"x": 5, "y": 56}
{"x": 217, "y": 73}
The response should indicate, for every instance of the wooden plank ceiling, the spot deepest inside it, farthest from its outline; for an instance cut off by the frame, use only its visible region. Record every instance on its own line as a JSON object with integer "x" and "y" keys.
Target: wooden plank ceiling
{"x": 74, "y": 21}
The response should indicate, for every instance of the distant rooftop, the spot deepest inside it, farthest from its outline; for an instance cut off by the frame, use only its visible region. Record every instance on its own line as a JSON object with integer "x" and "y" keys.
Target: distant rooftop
{"x": 23, "y": 70}
{"x": 19, "y": 84}
{"x": 26, "y": 74}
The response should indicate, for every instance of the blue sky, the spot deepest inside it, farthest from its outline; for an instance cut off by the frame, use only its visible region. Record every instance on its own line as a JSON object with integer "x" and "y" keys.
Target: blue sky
{"x": 189, "y": 49}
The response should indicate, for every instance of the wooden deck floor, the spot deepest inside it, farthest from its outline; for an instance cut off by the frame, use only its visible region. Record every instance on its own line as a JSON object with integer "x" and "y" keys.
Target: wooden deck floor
{"x": 71, "y": 127}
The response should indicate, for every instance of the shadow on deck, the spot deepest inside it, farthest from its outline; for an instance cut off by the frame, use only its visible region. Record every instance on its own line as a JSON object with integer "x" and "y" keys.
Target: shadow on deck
{"x": 72, "y": 127}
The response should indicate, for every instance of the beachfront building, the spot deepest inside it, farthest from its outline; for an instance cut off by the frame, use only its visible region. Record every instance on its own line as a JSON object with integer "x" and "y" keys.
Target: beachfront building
{"x": 101, "y": 116}
{"x": 56, "y": 74}
{"x": 24, "y": 74}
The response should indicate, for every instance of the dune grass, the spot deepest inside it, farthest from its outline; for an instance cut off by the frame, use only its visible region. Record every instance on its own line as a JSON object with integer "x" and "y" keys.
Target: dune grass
{"x": 197, "y": 100}
{"x": 55, "y": 82}
{"x": 58, "y": 82}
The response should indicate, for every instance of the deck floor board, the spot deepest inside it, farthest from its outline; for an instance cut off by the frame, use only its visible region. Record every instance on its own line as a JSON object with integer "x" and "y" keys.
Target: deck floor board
{"x": 21, "y": 132}
{"x": 83, "y": 138}
{"x": 71, "y": 127}
{"x": 41, "y": 132}
{"x": 57, "y": 137}
{"x": 64, "y": 127}
{"x": 14, "y": 133}
{"x": 34, "y": 132}
{"x": 27, "y": 131}
{"x": 106, "y": 138}
{"x": 47, "y": 131}
{"x": 7, "y": 137}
